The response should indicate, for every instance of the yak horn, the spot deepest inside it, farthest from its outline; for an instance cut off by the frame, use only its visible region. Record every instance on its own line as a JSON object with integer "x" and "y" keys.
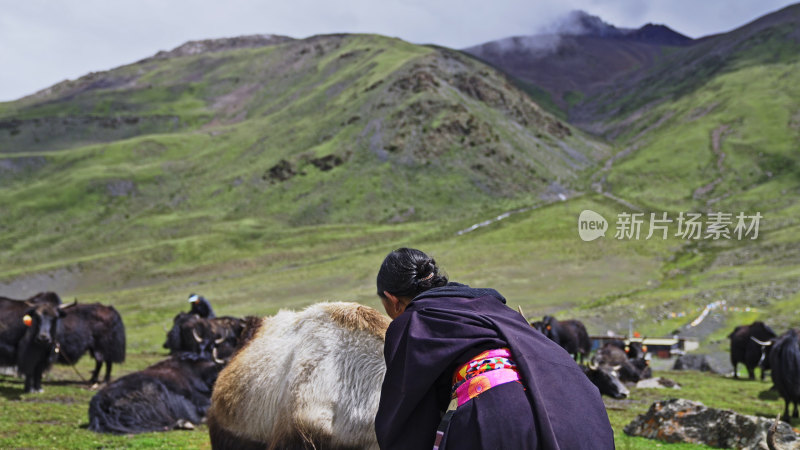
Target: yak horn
{"x": 216, "y": 360}
{"x": 761, "y": 343}
{"x": 220, "y": 340}
{"x": 196, "y": 337}
{"x": 771, "y": 444}
{"x": 70, "y": 305}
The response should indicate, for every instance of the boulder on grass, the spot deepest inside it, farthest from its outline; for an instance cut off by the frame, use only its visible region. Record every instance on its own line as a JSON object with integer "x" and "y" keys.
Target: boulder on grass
{"x": 680, "y": 420}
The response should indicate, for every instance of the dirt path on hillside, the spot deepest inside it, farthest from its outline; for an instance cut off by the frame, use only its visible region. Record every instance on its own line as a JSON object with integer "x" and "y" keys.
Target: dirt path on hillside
{"x": 599, "y": 185}
{"x": 59, "y": 281}
{"x": 717, "y": 135}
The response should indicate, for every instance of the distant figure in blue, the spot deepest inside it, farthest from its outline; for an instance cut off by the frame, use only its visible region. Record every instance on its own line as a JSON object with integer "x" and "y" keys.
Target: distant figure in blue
{"x": 506, "y": 384}
{"x": 201, "y": 306}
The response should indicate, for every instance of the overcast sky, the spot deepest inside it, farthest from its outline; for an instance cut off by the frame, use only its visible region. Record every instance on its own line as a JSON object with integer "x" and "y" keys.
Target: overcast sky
{"x": 43, "y": 42}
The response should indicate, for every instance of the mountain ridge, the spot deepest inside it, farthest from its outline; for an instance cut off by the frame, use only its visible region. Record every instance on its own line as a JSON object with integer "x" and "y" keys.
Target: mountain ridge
{"x": 221, "y": 44}
{"x": 578, "y": 57}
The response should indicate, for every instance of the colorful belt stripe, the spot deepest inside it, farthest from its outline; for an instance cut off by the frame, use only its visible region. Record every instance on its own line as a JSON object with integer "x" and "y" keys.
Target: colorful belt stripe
{"x": 483, "y": 372}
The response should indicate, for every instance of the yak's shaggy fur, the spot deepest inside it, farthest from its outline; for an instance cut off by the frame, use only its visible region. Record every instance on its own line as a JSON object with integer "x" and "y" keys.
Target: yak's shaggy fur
{"x": 172, "y": 393}
{"x": 31, "y": 348}
{"x": 308, "y": 379}
{"x": 97, "y": 329}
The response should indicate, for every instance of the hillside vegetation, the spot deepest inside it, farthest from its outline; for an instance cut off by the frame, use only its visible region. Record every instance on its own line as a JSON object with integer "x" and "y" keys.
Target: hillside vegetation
{"x": 172, "y": 151}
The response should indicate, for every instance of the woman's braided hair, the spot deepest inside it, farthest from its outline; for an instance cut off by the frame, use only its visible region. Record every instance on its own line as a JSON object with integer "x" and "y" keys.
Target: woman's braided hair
{"x": 407, "y": 272}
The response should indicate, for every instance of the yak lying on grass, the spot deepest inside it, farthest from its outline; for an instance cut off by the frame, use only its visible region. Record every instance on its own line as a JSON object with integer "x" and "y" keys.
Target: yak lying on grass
{"x": 174, "y": 393}
{"x": 199, "y": 329}
{"x": 606, "y": 379}
{"x": 192, "y": 333}
{"x": 611, "y": 354}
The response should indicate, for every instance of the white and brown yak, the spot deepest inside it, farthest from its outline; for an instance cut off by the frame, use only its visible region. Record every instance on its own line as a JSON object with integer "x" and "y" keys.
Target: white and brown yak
{"x": 308, "y": 379}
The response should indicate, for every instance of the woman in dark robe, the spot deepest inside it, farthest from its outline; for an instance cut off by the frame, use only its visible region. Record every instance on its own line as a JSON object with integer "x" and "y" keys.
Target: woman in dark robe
{"x": 465, "y": 371}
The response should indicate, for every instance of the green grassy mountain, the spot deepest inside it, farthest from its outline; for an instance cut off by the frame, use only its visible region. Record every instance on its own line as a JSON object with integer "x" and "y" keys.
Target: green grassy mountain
{"x": 284, "y": 133}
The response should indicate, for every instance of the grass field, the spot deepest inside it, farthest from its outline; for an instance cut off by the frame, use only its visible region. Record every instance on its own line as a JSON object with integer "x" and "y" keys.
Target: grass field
{"x": 58, "y": 417}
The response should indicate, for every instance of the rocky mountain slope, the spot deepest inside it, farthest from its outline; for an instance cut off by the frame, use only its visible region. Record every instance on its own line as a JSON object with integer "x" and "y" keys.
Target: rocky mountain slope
{"x": 580, "y": 57}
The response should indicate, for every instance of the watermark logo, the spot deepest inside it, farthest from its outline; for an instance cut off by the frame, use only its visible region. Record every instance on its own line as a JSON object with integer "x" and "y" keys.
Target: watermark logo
{"x": 591, "y": 225}
{"x": 690, "y": 226}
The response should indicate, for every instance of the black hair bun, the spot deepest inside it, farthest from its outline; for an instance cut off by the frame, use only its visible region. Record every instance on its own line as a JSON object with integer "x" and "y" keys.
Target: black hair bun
{"x": 426, "y": 268}
{"x": 407, "y": 272}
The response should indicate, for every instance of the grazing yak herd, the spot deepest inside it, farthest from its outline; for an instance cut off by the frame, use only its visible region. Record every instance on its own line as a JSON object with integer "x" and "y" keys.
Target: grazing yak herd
{"x": 307, "y": 379}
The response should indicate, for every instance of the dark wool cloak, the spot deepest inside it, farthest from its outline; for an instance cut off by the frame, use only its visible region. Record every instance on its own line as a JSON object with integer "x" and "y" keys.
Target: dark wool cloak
{"x": 443, "y": 328}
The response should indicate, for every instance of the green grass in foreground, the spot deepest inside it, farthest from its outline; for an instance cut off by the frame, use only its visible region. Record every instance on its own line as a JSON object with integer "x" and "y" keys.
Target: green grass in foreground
{"x": 58, "y": 417}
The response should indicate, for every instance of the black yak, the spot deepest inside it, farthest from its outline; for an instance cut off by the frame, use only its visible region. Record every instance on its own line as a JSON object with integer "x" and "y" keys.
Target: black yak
{"x": 570, "y": 334}
{"x": 785, "y": 365}
{"x": 173, "y": 393}
{"x": 745, "y": 348}
{"x": 29, "y": 331}
{"x": 97, "y": 329}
